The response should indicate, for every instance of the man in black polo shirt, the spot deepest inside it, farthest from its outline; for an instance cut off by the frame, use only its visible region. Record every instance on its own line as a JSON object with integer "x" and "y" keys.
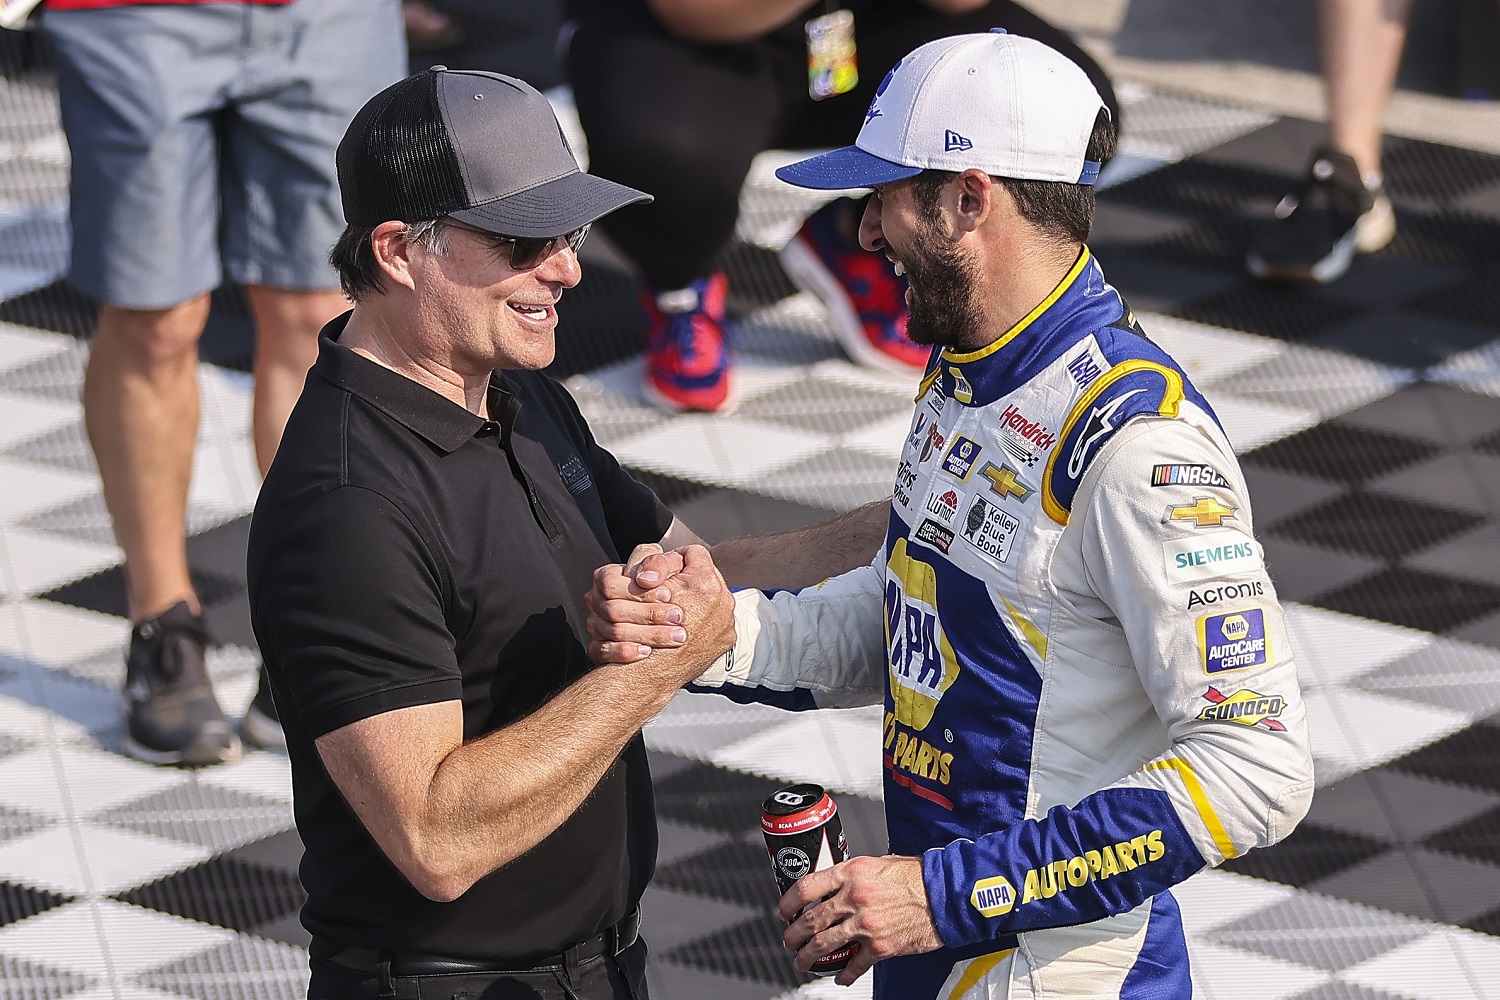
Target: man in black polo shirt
{"x": 473, "y": 795}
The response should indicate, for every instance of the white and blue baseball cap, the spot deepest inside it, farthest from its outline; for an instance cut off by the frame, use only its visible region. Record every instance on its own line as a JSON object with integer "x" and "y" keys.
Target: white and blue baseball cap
{"x": 996, "y": 102}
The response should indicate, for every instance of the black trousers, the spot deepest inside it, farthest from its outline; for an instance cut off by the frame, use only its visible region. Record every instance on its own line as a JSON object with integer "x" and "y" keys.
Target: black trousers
{"x": 622, "y": 977}
{"x": 682, "y": 121}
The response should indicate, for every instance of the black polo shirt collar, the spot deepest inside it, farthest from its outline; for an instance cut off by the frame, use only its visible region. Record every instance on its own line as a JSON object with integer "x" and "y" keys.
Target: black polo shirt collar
{"x": 435, "y": 418}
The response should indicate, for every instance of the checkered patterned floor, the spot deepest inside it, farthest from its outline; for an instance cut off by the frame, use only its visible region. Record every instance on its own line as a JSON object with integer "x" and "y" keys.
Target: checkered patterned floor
{"x": 1367, "y": 414}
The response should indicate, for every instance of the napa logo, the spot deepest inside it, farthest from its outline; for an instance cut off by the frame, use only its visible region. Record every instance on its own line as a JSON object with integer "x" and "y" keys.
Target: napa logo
{"x": 962, "y": 390}
{"x": 922, "y": 663}
{"x": 1233, "y": 641}
{"x": 916, "y": 765}
{"x": 993, "y": 896}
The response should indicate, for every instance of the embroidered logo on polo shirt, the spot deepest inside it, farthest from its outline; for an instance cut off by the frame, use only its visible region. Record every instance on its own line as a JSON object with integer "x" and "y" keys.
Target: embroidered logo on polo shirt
{"x": 575, "y": 476}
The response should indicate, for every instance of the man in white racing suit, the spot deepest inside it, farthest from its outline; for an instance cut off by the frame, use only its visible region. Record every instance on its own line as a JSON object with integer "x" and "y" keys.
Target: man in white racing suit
{"x": 1089, "y": 690}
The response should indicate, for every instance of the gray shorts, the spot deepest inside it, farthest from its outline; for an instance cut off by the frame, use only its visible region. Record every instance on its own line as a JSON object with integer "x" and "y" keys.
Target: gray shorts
{"x": 203, "y": 139}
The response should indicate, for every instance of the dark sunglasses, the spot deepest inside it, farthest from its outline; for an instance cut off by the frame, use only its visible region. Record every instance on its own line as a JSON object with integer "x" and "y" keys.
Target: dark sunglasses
{"x": 526, "y": 252}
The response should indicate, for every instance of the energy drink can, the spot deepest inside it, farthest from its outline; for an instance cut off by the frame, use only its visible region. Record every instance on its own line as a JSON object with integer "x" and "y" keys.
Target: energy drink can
{"x": 803, "y": 834}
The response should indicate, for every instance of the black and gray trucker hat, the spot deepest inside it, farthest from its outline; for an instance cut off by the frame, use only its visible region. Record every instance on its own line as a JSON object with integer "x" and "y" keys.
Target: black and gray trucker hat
{"x": 481, "y": 147}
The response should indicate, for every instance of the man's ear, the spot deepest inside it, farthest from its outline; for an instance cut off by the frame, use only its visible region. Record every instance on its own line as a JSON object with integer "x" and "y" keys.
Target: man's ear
{"x": 393, "y": 252}
{"x": 974, "y": 194}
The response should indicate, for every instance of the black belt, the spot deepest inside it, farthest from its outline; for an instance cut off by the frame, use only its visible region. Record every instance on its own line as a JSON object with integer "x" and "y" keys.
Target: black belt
{"x": 610, "y": 941}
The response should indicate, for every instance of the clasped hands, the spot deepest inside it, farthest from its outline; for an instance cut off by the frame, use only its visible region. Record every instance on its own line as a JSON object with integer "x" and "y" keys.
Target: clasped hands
{"x": 672, "y": 611}
{"x": 672, "y": 607}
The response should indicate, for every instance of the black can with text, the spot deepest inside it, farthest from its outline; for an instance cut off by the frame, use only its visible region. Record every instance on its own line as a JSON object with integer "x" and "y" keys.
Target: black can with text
{"x": 804, "y": 834}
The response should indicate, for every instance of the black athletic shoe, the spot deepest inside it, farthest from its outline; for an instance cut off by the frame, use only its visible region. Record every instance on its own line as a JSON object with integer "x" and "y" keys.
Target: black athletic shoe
{"x": 1321, "y": 225}
{"x": 171, "y": 715}
{"x": 262, "y": 724}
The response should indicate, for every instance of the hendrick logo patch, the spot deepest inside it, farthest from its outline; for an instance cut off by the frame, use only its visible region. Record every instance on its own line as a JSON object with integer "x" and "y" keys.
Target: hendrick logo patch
{"x": 1033, "y": 431}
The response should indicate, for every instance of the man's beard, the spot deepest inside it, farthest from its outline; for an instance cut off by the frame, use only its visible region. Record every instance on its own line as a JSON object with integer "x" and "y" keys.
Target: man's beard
{"x": 943, "y": 310}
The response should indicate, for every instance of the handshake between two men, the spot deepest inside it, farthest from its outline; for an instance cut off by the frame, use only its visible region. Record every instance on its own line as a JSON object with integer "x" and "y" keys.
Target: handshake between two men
{"x": 670, "y": 613}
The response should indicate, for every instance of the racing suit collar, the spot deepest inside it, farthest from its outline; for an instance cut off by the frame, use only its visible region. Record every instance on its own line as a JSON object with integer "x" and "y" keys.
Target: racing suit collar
{"x": 1057, "y": 293}
{"x": 1082, "y": 301}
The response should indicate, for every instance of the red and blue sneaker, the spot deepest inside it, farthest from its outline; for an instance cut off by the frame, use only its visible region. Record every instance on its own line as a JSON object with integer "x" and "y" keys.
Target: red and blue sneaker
{"x": 865, "y": 298}
{"x": 688, "y": 363}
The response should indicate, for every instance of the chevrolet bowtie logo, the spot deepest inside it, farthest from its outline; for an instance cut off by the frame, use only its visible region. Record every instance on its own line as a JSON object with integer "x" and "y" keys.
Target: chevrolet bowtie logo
{"x": 1004, "y": 482}
{"x": 1207, "y": 512}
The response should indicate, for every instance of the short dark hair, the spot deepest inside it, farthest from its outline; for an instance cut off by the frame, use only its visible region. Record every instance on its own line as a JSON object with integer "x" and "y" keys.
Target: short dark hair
{"x": 353, "y": 256}
{"x": 1062, "y": 211}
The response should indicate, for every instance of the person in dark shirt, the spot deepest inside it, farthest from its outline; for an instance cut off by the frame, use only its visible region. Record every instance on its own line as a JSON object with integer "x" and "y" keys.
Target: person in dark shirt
{"x": 472, "y": 793}
{"x": 679, "y": 97}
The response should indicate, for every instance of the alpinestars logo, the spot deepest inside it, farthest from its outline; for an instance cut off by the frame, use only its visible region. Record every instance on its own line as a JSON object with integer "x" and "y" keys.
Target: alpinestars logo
{"x": 953, "y": 141}
{"x": 1100, "y": 423}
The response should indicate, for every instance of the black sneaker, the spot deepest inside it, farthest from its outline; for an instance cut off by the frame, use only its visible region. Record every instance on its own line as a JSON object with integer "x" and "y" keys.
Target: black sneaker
{"x": 1321, "y": 226}
{"x": 262, "y": 724}
{"x": 171, "y": 715}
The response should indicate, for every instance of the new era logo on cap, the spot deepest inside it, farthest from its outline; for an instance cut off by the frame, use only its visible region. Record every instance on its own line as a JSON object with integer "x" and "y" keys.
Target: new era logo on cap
{"x": 952, "y": 140}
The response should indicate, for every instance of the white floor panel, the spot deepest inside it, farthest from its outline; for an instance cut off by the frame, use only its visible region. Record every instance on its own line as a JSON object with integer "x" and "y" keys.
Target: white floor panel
{"x": 838, "y": 750}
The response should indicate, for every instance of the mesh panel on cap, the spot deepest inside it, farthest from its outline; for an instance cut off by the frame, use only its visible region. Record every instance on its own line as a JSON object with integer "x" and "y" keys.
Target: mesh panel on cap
{"x": 396, "y": 161}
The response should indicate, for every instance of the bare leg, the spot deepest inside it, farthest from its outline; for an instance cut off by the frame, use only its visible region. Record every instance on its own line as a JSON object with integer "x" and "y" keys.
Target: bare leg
{"x": 286, "y": 329}
{"x": 140, "y": 404}
{"x": 1360, "y": 42}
